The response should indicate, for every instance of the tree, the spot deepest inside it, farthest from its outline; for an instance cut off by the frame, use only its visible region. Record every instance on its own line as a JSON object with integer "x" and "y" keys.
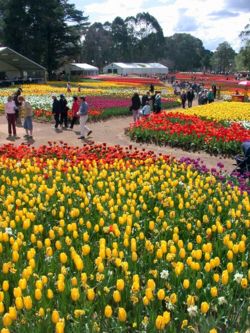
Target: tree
{"x": 97, "y": 45}
{"x": 186, "y": 51}
{"x": 147, "y": 35}
{"x": 48, "y": 32}
{"x": 223, "y": 59}
{"x": 243, "y": 58}
{"x": 120, "y": 40}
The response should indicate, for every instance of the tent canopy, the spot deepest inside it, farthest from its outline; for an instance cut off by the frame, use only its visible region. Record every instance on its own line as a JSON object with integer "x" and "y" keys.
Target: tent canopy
{"x": 82, "y": 66}
{"x": 136, "y": 68}
{"x": 10, "y": 59}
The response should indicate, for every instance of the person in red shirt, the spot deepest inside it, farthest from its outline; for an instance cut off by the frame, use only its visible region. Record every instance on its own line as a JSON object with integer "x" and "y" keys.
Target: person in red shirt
{"x": 74, "y": 109}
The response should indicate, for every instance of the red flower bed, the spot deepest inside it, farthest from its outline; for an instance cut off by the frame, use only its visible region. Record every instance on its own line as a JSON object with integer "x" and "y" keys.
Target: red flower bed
{"x": 87, "y": 154}
{"x": 127, "y": 79}
{"x": 190, "y": 132}
{"x": 187, "y": 125}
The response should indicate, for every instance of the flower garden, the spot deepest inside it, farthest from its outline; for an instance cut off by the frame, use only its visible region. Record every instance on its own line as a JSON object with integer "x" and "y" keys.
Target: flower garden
{"x": 115, "y": 239}
{"x": 106, "y": 98}
{"x": 218, "y": 128}
{"x": 111, "y": 239}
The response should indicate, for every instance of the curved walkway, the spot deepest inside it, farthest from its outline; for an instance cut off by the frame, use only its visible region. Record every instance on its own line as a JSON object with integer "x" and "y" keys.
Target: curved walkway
{"x": 111, "y": 132}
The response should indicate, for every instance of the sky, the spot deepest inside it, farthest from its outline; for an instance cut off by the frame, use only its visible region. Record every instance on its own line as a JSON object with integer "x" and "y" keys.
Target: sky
{"x": 213, "y": 21}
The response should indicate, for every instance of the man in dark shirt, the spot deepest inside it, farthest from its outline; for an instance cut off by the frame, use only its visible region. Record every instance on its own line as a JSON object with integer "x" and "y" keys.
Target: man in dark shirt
{"x": 56, "y": 110}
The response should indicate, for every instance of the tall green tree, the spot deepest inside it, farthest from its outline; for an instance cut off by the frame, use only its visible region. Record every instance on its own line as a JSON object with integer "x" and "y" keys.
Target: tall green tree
{"x": 223, "y": 59}
{"x": 97, "y": 48}
{"x": 185, "y": 51}
{"x": 243, "y": 58}
{"x": 146, "y": 36}
{"x": 48, "y": 31}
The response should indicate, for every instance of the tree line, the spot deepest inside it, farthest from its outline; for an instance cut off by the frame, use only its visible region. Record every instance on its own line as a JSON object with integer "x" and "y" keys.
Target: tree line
{"x": 53, "y": 32}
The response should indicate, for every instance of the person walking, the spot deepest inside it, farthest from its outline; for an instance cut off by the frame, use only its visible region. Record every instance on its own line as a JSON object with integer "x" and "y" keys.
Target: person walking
{"x": 75, "y": 109}
{"x": 10, "y": 113}
{"x": 56, "y": 110}
{"x": 214, "y": 89}
{"x": 68, "y": 86}
{"x": 183, "y": 99}
{"x": 190, "y": 97}
{"x": 27, "y": 113}
{"x": 63, "y": 111}
{"x": 157, "y": 102}
{"x": 18, "y": 106}
{"x": 210, "y": 96}
{"x": 135, "y": 107}
{"x": 83, "y": 113}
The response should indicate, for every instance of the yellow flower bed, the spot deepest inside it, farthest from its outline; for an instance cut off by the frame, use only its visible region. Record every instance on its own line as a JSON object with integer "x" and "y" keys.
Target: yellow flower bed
{"x": 106, "y": 240}
{"x": 221, "y": 111}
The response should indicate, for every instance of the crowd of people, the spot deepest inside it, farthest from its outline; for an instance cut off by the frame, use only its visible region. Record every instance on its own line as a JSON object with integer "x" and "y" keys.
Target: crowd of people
{"x": 188, "y": 91}
{"x": 144, "y": 105}
{"x": 16, "y": 106}
{"x": 79, "y": 110}
{"x": 141, "y": 106}
{"x": 13, "y": 108}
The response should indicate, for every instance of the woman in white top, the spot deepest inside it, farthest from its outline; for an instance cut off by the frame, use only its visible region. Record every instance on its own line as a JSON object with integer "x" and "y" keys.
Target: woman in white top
{"x": 10, "y": 113}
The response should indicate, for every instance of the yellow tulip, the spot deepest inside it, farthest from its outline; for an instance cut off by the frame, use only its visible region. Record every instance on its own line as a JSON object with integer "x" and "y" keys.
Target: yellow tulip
{"x": 204, "y": 307}
{"x": 90, "y": 294}
{"x": 55, "y": 316}
{"x": 108, "y": 311}
{"x": 27, "y": 300}
{"x": 122, "y": 314}
{"x": 75, "y": 295}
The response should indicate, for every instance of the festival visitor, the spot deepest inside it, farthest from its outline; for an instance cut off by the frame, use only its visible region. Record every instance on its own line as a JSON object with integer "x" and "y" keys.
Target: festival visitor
{"x": 145, "y": 98}
{"x": 210, "y": 96}
{"x": 190, "y": 97}
{"x": 56, "y": 110}
{"x": 214, "y": 89}
{"x": 146, "y": 110}
{"x": 183, "y": 99}
{"x": 27, "y": 113}
{"x": 157, "y": 102}
{"x": 74, "y": 110}
{"x": 83, "y": 113}
{"x": 63, "y": 111}
{"x": 18, "y": 106}
{"x": 151, "y": 88}
{"x": 79, "y": 88}
{"x": 136, "y": 104}
{"x": 68, "y": 87}
{"x": 10, "y": 113}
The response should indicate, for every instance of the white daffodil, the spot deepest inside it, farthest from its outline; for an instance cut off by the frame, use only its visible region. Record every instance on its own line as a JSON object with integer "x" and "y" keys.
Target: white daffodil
{"x": 164, "y": 274}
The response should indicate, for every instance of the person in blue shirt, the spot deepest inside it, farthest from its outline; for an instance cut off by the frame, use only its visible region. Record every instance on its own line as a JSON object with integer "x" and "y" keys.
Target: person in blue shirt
{"x": 83, "y": 113}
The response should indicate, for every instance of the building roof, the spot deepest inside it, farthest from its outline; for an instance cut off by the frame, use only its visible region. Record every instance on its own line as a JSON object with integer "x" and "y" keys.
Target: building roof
{"x": 84, "y": 66}
{"x": 18, "y": 61}
{"x": 152, "y": 65}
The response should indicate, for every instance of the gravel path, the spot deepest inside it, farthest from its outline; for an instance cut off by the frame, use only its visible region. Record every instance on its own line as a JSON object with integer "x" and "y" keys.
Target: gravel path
{"x": 111, "y": 132}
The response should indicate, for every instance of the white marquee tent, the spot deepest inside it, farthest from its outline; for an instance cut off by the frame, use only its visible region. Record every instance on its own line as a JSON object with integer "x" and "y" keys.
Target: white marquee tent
{"x": 136, "y": 68}
{"x": 80, "y": 69}
{"x": 16, "y": 67}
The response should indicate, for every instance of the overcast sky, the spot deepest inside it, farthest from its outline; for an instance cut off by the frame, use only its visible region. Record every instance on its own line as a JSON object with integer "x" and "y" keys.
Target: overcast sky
{"x": 213, "y": 21}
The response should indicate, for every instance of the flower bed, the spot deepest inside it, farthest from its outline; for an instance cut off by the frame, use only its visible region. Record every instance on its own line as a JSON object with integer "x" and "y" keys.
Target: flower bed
{"x": 106, "y": 99}
{"x": 190, "y": 132}
{"x": 106, "y": 239}
{"x": 233, "y": 111}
